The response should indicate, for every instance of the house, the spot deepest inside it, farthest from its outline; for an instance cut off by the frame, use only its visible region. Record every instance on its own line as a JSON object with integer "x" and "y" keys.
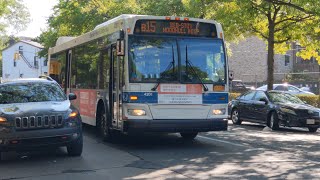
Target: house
{"x": 21, "y": 60}
{"x": 249, "y": 62}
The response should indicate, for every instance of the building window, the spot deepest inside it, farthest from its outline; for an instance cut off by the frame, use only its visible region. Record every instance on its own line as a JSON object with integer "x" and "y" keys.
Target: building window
{"x": 21, "y": 50}
{"x": 35, "y": 62}
{"x": 286, "y": 60}
{"x": 45, "y": 63}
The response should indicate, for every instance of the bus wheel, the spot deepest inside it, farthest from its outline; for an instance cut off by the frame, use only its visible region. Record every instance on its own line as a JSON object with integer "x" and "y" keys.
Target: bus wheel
{"x": 105, "y": 131}
{"x": 189, "y": 136}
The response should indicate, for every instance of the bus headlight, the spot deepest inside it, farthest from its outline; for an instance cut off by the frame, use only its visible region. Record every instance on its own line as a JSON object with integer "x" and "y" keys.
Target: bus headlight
{"x": 136, "y": 112}
{"x": 221, "y": 111}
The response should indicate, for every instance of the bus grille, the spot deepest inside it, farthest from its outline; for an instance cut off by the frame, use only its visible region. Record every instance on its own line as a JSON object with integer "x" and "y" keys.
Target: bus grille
{"x": 36, "y": 122}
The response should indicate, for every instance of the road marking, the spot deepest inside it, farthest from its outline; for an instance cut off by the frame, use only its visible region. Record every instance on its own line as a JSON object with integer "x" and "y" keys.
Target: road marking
{"x": 222, "y": 141}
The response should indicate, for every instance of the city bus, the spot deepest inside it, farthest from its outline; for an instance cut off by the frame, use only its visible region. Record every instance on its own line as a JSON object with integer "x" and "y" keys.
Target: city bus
{"x": 141, "y": 73}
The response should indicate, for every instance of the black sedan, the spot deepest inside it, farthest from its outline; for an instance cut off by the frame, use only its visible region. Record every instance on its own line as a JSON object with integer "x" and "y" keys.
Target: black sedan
{"x": 274, "y": 109}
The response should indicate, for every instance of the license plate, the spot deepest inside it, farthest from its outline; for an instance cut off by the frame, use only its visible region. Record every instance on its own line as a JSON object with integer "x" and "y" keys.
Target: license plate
{"x": 310, "y": 121}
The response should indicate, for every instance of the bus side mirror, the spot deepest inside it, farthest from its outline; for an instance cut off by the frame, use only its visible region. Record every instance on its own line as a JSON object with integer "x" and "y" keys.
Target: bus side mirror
{"x": 120, "y": 44}
{"x": 120, "y": 47}
{"x": 231, "y": 75}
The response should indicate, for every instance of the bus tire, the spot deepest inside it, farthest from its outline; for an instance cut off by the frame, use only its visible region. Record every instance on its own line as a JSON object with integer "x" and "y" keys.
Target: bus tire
{"x": 105, "y": 131}
{"x": 189, "y": 136}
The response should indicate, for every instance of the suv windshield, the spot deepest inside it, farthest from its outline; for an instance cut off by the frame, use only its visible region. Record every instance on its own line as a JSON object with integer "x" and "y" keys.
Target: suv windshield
{"x": 284, "y": 98}
{"x": 188, "y": 60}
{"x": 30, "y": 92}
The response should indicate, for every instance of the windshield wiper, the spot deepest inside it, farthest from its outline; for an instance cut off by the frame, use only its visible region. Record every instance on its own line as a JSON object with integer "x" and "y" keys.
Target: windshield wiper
{"x": 205, "y": 88}
{"x": 171, "y": 64}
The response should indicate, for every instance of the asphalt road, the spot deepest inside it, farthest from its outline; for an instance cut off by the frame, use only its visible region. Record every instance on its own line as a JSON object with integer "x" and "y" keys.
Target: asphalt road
{"x": 247, "y": 151}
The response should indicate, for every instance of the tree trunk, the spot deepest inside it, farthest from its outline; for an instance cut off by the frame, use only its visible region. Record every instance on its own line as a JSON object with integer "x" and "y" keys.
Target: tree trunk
{"x": 270, "y": 56}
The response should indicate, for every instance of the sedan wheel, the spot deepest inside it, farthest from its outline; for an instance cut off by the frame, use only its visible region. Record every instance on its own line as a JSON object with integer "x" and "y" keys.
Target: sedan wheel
{"x": 274, "y": 122}
{"x": 235, "y": 117}
{"x": 313, "y": 129}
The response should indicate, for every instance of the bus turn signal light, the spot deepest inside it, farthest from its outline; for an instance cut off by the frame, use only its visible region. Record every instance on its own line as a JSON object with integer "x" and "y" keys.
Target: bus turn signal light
{"x": 133, "y": 98}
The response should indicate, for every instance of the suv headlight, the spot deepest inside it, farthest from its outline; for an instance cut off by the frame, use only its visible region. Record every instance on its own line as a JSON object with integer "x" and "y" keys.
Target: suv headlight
{"x": 221, "y": 111}
{"x": 73, "y": 114}
{"x": 136, "y": 112}
{"x": 4, "y": 121}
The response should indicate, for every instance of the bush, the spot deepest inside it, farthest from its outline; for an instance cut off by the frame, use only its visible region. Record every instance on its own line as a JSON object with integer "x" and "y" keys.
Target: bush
{"x": 233, "y": 95}
{"x": 313, "y": 100}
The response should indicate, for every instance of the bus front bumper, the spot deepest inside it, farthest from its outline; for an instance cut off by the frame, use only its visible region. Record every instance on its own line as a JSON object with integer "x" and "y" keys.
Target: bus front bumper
{"x": 175, "y": 125}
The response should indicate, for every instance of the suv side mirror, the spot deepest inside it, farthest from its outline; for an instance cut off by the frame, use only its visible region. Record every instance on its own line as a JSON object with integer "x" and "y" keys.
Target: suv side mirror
{"x": 72, "y": 96}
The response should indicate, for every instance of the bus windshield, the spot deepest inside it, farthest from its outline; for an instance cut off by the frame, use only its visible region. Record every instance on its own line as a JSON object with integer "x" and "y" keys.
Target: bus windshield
{"x": 158, "y": 58}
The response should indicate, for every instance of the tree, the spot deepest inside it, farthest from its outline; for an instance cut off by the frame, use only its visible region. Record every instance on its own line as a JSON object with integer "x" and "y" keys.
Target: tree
{"x": 275, "y": 21}
{"x": 14, "y": 14}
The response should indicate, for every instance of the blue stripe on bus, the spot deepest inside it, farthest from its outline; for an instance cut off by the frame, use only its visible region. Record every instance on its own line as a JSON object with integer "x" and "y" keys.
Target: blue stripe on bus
{"x": 143, "y": 97}
{"x": 215, "y": 98}
{"x": 152, "y": 97}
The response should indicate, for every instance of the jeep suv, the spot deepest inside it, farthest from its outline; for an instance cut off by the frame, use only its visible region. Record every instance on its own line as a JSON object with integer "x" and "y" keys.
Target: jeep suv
{"x": 36, "y": 113}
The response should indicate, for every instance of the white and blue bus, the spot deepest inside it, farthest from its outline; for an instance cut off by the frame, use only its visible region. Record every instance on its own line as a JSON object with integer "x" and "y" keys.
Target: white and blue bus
{"x": 140, "y": 73}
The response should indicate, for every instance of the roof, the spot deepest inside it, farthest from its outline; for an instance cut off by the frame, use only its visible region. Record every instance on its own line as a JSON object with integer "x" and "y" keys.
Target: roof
{"x": 32, "y": 43}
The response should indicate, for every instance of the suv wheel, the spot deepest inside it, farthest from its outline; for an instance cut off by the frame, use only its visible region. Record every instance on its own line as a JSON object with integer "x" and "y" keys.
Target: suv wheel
{"x": 313, "y": 129}
{"x": 75, "y": 148}
{"x": 189, "y": 136}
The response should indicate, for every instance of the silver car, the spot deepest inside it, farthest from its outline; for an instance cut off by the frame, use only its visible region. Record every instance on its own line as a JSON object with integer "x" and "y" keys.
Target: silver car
{"x": 287, "y": 88}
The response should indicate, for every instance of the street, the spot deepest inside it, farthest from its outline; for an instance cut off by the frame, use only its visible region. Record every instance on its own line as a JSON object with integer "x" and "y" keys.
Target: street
{"x": 247, "y": 151}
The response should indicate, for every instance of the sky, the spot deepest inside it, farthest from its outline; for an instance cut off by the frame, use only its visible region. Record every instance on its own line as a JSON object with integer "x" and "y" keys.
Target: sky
{"x": 39, "y": 10}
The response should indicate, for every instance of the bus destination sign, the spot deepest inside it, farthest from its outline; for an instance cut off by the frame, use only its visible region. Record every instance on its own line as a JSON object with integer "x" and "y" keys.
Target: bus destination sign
{"x": 181, "y": 28}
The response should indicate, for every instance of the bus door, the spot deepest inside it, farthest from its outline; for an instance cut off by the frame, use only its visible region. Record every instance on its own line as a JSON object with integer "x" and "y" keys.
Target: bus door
{"x": 67, "y": 83}
{"x": 116, "y": 81}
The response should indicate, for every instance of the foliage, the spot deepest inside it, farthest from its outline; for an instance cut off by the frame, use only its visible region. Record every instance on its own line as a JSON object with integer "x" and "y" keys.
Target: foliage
{"x": 313, "y": 100}
{"x": 13, "y": 13}
{"x": 275, "y": 21}
{"x": 233, "y": 96}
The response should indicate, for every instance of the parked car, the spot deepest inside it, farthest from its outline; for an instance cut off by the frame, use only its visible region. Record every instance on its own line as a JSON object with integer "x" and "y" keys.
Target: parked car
{"x": 36, "y": 113}
{"x": 305, "y": 89}
{"x": 237, "y": 86}
{"x": 274, "y": 108}
{"x": 287, "y": 88}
